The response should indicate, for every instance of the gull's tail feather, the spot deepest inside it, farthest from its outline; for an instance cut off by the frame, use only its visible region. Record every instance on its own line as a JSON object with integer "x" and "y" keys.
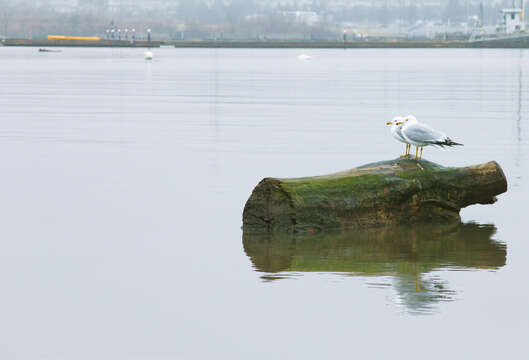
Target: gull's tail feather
{"x": 447, "y": 142}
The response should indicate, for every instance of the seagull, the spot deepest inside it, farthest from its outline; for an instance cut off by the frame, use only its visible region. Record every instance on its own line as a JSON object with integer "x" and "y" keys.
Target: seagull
{"x": 422, "y": 135}
{"x": 396, "y": 131}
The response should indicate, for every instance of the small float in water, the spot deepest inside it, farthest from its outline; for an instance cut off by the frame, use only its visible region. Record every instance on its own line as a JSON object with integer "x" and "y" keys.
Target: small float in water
{"x": 148, "y": 55}
{"x": 304, "y": 57}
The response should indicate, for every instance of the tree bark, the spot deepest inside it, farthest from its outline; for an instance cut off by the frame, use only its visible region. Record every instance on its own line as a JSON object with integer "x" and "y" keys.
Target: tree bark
{"x": 391, "y": 192}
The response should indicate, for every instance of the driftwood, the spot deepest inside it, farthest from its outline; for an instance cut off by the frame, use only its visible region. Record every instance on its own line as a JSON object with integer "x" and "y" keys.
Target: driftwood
{"x": 391, "y": 192}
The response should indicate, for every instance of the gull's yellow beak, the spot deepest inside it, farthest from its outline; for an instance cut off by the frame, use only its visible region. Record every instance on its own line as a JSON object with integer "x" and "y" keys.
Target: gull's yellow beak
{"x": 399, "y": 123}
{"x": 389, "y": 123}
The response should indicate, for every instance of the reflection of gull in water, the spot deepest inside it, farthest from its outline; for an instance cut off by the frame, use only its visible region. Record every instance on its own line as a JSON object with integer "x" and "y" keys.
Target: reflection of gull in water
{"x": 304, "y": 57}
{"x": 396, "y": 131}
{"x": 422, "y": 135}
{"x": 419, "y": 293}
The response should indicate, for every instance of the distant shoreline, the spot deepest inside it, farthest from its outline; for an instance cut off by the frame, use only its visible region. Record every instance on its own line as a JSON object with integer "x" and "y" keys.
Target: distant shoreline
{"x": 497, "y": 44}
{"x": 521, "y": 42}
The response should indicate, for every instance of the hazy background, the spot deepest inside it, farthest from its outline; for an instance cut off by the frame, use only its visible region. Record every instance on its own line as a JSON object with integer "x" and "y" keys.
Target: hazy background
{"x": 252, "y": 19}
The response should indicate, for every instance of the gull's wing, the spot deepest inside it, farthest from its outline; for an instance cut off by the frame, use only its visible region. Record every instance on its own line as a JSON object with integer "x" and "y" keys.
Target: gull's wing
{"x": 423, "y": 134}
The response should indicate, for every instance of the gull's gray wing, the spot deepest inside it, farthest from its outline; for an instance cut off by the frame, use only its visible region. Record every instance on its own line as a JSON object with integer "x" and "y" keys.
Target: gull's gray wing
{"x": 423, "y": 134}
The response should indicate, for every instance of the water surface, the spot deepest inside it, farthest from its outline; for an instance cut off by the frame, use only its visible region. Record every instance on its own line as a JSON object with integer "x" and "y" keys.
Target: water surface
{"x": 124, "y": 181}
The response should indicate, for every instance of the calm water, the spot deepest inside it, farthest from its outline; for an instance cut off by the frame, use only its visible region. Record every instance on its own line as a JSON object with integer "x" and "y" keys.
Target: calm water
{"x": 123, "y": 184}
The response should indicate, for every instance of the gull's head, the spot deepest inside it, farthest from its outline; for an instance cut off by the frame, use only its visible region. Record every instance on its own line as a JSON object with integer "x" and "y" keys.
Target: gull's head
{"x": 410, "y": 119}
{"x": 397, "y": 120}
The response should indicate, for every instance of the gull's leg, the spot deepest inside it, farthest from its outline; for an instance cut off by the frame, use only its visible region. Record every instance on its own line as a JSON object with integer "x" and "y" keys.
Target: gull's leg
{"x": 416, "y": 152}
{"x": 421, "y": 153}
{"x": 408, "y": 149}
{"x": 405, "y": 151}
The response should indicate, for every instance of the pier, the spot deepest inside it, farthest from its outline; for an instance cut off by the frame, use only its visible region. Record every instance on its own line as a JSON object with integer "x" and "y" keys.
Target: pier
{"x": 516, "y": 42}
{"x": 81, "y": 43}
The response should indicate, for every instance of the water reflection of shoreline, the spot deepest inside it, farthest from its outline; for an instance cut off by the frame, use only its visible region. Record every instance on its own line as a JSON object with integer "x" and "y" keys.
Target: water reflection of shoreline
{"x": 406, "y": 255}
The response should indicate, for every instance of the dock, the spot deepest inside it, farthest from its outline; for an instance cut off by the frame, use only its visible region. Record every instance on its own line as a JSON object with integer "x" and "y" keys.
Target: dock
{"x": 398, "y": 44}
{"x": 514, "y": 42}
{"x": 81, "y": 43}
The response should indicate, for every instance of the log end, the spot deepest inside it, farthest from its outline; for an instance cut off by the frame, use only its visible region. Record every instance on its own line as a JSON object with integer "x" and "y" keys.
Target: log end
{"x": 269, "y": 209}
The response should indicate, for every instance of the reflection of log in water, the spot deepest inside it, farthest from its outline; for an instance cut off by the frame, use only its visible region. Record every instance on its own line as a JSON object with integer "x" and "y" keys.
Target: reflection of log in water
{"x": 407, "y": 253}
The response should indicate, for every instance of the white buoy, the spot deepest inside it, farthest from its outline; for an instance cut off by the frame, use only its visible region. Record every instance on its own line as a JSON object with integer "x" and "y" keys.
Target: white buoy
{"x": 148, "y": 55}
{"x": 304, "y": 57}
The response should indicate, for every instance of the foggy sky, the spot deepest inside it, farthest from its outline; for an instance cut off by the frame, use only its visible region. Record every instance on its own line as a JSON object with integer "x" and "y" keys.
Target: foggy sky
{"x": 171, "y": 19}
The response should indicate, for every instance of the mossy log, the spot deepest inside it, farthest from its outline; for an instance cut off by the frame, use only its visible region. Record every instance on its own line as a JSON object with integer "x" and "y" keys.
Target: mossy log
{"x": 390, "y": 192}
